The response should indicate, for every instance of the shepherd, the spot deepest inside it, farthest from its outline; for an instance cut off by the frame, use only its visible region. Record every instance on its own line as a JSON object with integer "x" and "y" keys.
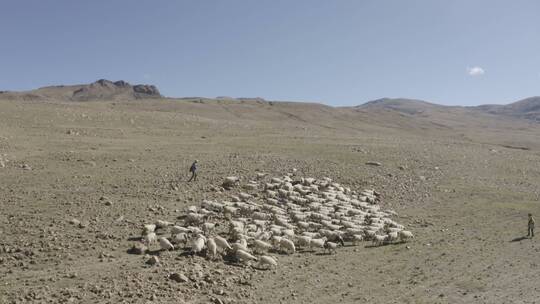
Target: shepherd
{"x": 530, "y": 226}
{"x": 193, "y": 170}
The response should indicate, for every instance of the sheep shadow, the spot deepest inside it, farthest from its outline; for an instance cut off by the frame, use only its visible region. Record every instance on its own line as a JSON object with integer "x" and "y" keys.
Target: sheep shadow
{"x": 385, "y": 244}
{"x": 519, "y": 239}
{"x": 323, "y": 253}
{"x": 134, "y": 251}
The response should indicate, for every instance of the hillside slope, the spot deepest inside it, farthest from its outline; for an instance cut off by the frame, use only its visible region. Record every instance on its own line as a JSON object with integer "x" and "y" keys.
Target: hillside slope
{"x": 100, "y": 90}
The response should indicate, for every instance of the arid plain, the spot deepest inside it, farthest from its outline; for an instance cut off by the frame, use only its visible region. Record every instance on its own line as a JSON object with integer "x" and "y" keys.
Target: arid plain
{"x": 461, "y": 180}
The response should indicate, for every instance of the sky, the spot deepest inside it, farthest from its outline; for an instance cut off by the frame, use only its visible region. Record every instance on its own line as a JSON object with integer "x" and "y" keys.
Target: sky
{"x": 342, "y": 52}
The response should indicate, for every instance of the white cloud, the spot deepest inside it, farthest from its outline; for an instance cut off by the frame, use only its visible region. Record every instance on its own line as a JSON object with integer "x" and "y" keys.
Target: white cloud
{"x": 476, "y": 71}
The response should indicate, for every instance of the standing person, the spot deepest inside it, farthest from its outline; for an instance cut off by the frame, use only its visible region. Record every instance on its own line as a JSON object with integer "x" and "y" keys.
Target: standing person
{"x": 530, "y": 226}
{"x": 193, "y": 170}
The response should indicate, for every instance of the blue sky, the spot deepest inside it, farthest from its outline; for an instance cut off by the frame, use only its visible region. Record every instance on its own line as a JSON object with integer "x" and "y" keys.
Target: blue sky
{"x": 463, "y": 52}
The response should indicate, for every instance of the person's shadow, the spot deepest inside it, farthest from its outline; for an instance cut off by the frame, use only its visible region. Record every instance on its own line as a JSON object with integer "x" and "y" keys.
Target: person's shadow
{"x": 518, "y": 239}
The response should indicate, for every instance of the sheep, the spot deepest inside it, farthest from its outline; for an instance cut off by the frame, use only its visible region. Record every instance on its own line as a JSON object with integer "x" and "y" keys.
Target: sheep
{"x": 179, "y": 229}
{"x": 356, "y": 238}
{"x": 288, "y": 245}
{"x": 303, "y": 241}
{"x": 165, "y": 244}
{"x": 194, "y": 230}
{"x": 317, "y": 243}
{"x": 211, "y": 248}
{"x": 276, "y": 240}
{"x": 244, "y": 256}
{"x": 194, "y": 218}
{"x": 379, "y": 240}
{"x": 209, "y": 227}
{"x": 314, "y": 213}
{"x": 288, "y": 233}
{"x": 238, "y": 246}
{"x": 150, "y": 238}
{"x": 392, "y": 237}
{"x": 162, "y": 224}
{"x": 148, "y": 229}
{"x": 405, "y": 235}
{"x": 179, "y": 238}
{"x": 192, "y": 209}
{"x": 268, "y": 261}
{"x": 197, "y": 244}
{"x": 330, "y": 246}
{"x": 222, "y": 243}
{"x": 261, "y": 246}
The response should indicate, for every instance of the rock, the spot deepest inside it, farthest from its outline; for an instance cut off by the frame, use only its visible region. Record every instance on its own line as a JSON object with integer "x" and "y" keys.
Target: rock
{"x": 75, "y": 222}
{"x": 138, "y": 248}
{"x": 26, "y": 167}
{"x": 178, "y": 277}
{"x": 153, "y": 260}
{"x": 230, "y": 182}
{"x": 373, "y": 163}
{"x": 108, "y": 203}
{"x": 143, "y": 89}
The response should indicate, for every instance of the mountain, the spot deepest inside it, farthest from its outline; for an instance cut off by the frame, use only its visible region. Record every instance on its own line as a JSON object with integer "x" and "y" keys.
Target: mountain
{"x": 408, "y": 106}
{"x": 107, "y": 90}
{"x": 528, "y": 108}
{"x": 100, "y": 90}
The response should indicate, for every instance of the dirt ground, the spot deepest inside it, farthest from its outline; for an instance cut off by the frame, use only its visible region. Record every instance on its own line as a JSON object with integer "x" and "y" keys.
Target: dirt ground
{"x": 461, "y": 185}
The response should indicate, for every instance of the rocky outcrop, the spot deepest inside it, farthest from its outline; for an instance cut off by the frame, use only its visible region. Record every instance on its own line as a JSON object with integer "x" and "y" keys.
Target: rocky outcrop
{"x": 107, "y": 90}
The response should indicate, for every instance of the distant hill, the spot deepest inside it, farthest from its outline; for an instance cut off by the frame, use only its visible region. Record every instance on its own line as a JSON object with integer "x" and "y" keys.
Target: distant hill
{"x": 409, "y": 106}
{"x": 107, "y": 90}
{"x": 528, "y": 108}
{"x": 100, "y": 90}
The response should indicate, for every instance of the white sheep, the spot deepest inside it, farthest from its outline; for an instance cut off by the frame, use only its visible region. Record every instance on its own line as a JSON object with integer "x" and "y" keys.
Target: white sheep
{"x": 165, "y": 244}
{"x": 162, "y": 224}
{"x": 287, "y": 245}
{"x": 179, "y": 229}
{"x": 150, "y": 238}
{"x": 317, "y": 243}
{"x": 330, "y": 246}
{"x": 148, "y": 229}
{"x": 379, "y": 239}
{"x": 392, "y": 237}
{"x": 261, "y": 246}
{"x": 303, "y": 241}
{"x": 209, "y": 227}
{"x": 222, "y": 243}
{"x": 356, "y": 238}
{"x": 211, "y": 248}
{"x": 268, "y": 261}
{"x": 405, "y": 235}
{"x": 179, "y": 238}
{"x": 244, "y": 256}
{"x": 197, "y": 244}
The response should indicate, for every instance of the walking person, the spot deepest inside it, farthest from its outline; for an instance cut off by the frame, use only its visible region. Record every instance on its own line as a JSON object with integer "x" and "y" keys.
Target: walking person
{"x": 193, "y": 170}
{"x": 530, "y": 226}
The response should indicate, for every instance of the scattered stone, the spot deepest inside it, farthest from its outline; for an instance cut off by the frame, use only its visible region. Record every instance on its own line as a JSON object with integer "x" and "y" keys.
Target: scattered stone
{"x": 230, "y": 182}
{"x": 178, "y": 277}
{"x": 138, "y": 248}
{"x": 153, "y": 260}
{"x": 75, "y": 222}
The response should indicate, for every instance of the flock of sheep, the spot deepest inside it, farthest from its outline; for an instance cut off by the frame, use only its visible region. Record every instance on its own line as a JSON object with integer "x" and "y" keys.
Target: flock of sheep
{"x": 281, "y": 215}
